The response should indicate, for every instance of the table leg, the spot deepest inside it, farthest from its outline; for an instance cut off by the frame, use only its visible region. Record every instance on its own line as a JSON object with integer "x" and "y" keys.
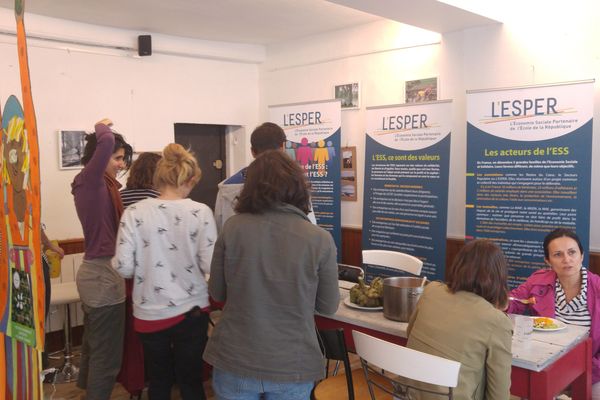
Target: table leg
{"x": 581, "y": 388}
{"x": 538, "y": 384}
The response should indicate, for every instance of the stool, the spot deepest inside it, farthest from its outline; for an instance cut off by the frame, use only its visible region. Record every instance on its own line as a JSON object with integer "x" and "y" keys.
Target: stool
{"x": 64, "y": 294}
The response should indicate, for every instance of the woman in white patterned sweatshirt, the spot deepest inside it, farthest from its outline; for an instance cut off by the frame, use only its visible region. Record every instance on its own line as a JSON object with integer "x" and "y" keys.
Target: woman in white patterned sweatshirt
{"x": 165, "y": 245}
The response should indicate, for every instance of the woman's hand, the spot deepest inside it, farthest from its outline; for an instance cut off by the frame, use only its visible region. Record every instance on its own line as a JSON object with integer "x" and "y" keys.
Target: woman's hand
{"x": 57, "y": 249}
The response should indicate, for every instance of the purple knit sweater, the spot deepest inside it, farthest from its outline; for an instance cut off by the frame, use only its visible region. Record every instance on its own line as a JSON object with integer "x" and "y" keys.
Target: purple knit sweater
{"x": 92, "y": 199}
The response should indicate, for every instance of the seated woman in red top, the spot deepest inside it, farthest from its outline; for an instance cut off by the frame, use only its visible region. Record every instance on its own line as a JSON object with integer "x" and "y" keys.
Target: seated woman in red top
{"x": 566, "y": 291}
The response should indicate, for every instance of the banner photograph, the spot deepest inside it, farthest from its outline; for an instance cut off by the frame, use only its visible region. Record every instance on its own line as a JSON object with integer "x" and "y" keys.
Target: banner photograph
{"x": 407, "y": 154}
{"x": 529, "y": 156}
{"x": 313, "y": 133}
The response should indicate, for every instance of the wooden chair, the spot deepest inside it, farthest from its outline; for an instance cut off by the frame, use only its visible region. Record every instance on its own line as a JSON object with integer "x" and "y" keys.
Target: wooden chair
{"x": 417, "y": 367}
{"x": 393, "y": 259}
{"x": 352, "y": 382}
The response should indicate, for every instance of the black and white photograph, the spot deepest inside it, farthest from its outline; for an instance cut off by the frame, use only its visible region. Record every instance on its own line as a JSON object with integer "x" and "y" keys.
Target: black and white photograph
{"x": 70, "y": 149}
{"x": 349, "y": 94}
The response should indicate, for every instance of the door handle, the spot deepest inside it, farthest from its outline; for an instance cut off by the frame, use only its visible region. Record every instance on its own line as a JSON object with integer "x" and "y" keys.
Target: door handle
{"x": 218, "y": 164}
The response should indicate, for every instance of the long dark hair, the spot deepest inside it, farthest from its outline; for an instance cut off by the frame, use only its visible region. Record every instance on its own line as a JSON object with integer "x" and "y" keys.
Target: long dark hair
{"x": 480, "y": 267}
{"x": 273, "y": 179}
{"x": 120, "y": 143}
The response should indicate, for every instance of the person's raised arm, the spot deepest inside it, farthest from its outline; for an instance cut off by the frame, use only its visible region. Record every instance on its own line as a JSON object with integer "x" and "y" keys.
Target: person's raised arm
{"x": 105, "y": 144}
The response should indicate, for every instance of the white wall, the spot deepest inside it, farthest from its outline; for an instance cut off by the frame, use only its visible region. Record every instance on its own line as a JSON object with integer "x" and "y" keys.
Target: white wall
{"x": 74, "y": 86}
{"x": 539, "y": 42}
{"x": 381, "y": 55}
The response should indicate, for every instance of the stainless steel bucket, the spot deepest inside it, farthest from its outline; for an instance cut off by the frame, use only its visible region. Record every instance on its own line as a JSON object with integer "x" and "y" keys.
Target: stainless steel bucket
{"x": 400, "y": 296}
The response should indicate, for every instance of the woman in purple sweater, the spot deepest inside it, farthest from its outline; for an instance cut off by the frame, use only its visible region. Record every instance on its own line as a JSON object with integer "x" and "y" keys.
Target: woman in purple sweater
{"x": 101, "y": 289}
{"x": 566, "y": 291}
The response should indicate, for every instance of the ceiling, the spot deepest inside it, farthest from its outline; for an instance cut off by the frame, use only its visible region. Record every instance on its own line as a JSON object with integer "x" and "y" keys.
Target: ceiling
{"x": 243, "y": 21}
{"x": 259, "y": 22}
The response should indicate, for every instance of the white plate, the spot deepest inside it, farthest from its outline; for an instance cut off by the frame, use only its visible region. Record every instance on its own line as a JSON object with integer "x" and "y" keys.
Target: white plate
{"x": 352, "y": 305}
{"x": 560, "y": 325}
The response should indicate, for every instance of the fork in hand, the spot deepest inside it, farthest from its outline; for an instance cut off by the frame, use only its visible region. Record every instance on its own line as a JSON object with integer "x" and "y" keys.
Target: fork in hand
{"x": 530, "y": 300}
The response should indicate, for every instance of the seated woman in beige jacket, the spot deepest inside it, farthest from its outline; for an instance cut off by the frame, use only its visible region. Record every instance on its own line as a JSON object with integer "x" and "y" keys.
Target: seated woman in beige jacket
{"x": 463, "y": 321}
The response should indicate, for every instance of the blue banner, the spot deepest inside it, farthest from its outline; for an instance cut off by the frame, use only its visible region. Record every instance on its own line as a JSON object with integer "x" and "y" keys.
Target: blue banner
{"x": 407, "y": 156}
{"x": 313, "y": 132}
{"x": 529, "y": 169}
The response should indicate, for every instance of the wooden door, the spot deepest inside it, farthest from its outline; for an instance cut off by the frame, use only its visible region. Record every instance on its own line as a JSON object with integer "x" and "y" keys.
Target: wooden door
{"x": 207, "y": 142}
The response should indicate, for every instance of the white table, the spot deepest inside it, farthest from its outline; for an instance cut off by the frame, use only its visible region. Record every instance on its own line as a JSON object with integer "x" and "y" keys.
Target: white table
{"x": 543, "y": 366}
{"x": 543, "y": 348}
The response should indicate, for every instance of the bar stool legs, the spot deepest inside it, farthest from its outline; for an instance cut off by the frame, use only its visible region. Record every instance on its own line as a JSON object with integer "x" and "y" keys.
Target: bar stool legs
{"x": 69, "y": 372}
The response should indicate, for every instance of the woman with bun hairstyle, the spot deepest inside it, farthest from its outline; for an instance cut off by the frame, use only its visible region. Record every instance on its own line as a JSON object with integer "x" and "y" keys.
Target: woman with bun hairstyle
{"x": 165, "y": 244}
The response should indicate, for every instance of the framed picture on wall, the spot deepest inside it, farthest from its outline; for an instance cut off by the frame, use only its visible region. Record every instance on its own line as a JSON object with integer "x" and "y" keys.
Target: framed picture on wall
{"x": 421, "y": 90}
{"x": 349, "y": 94}
{"x": 70, "y": 149}
{"x": 348, "y": 174}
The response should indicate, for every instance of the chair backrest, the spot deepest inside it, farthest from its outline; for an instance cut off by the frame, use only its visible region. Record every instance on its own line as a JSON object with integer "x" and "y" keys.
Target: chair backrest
{"x": 405, "y": 362}
{"x": 393, "y": 259}
{"x": 333, "y": 346}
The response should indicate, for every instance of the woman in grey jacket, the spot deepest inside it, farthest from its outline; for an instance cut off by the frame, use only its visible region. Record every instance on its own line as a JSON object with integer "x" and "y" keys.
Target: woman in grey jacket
{"x": 273, "y": 269}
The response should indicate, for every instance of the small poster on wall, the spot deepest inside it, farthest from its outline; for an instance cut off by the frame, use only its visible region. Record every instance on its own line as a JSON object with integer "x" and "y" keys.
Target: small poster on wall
{"x": 70, "y": 149}
{"x": 349, "y": 94}
{"x": 348, "y": 174}
{"x": 421, "y": 90}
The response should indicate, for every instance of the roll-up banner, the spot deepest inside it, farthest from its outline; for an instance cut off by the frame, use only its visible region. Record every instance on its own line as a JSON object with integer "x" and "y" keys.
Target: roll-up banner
{"x": 407, "y": 155}
{"x": 529, "y": 153}
{"x": 313, "y": 131}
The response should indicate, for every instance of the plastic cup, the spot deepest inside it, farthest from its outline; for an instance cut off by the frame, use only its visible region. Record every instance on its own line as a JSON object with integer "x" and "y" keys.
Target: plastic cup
{"x": 54, "y": 262}
{"x": 523, "y": 327}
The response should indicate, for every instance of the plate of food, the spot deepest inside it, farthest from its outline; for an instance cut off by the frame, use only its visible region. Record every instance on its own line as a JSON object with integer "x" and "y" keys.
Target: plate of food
{"x": 366, "y": 297}
{"x": 356, "y": 306}
{"x": 546, "y": 324}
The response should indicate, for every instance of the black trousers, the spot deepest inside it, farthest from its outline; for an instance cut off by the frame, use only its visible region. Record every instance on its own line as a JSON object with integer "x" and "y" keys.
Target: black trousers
{"x": 175, "y": 355}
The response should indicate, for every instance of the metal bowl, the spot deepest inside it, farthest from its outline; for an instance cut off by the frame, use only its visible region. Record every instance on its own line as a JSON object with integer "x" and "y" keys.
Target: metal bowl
{"x": 400, "y": 297}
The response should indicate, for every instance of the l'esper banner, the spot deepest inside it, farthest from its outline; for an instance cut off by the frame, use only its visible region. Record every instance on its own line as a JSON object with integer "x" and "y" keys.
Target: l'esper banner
{"x": 313, "y": 133}
{"x": 529, "y": 155}
{"x": 407, "y": 155}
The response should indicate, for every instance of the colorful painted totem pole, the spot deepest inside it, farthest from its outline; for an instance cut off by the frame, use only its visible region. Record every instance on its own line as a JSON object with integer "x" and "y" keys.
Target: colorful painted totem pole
{"x": 21, "y": 278}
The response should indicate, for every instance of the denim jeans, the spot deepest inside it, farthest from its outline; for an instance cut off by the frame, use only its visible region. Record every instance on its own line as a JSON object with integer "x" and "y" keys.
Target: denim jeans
{"x": 228, "y": 386}
{"x": 175, "y": 355}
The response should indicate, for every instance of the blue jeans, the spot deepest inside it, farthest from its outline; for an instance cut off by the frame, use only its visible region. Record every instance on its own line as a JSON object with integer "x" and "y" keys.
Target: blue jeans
{"x": 229, "y": 386}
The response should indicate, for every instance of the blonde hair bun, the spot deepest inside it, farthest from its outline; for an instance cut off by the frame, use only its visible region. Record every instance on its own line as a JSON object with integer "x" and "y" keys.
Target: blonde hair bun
{"x": 178, "y": 166}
